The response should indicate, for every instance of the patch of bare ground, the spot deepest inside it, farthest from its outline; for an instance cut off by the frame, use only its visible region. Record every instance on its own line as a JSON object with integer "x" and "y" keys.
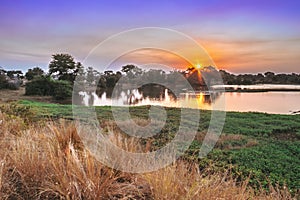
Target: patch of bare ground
{"x": 15, "y": 95}
{"x": 287, "y": 136}
{"x": 230, "y": 141}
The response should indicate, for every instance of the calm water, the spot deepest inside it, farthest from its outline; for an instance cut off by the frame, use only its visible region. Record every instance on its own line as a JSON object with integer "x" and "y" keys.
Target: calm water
{"x": 269, "y": 102}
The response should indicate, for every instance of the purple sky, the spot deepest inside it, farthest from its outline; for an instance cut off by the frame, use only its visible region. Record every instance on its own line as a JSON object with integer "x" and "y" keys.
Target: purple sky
{"x": 240, "y": 36}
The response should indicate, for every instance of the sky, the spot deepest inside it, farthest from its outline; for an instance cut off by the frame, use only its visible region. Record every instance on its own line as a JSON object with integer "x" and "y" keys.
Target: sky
{"x": 239, "y": 36}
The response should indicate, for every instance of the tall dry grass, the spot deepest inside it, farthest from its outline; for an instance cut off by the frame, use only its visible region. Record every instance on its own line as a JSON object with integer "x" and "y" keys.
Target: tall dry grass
{"x": 184, "y": 181}
{"x": 49, "y": 161}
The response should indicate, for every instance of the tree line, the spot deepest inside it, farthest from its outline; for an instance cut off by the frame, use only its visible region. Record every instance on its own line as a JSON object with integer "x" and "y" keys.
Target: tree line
{"x": 260, "y": 78}
{"x": 63, "y": 70}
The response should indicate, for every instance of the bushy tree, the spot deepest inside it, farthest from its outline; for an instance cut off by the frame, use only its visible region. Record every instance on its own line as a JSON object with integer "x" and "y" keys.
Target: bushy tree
{"x": 111, "y": 78}
{"x": 31, "y": 73}
{"x": 63, "y": 67}
{"x": 132, "y": 71}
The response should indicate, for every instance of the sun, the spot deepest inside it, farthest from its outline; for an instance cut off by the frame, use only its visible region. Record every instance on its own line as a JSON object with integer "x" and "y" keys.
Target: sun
{"x": 198, "y": 66}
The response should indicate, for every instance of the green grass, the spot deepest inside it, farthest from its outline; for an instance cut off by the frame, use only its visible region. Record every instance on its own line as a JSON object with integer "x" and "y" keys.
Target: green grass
{"x": 275, "y": 157}
{"x": 49, "y": 110}
{"x": 276, "y": 161}
{"x": 271, "y": 161}
{"x": 261, "y": 124}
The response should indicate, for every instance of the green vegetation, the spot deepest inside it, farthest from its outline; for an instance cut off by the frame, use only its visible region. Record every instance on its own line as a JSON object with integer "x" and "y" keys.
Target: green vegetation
{"x": 41, "y": 86}
{"x": 63, "y": 67}
{"x": 46, "y": 86}
{"x": 261, "y": 146}
{"x": 58, "y": 83}
{"x": 10, "y": 79}
{"x": 35, "y": 72}
{"x": 49, "y": 110}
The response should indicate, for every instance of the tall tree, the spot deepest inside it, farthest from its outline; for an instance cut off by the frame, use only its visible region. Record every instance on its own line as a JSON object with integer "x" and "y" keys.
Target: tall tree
{"x": 63, "y": 67}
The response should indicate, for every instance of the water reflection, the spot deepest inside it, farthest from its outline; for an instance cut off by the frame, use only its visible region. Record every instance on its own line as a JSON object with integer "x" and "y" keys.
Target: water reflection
{"x": 269, "y": 102}
{"x": 202, "y": 100}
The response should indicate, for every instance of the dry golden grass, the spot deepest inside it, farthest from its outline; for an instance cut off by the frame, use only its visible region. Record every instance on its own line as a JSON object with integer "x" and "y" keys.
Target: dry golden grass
{"x": 49, "y": 161}
{"x": 184, "y": 181}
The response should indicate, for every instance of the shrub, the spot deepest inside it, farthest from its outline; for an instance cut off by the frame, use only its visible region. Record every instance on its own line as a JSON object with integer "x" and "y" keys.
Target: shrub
{"x": 62, "y": 90}
{"x": 46, "y": 86}
{"x": 14, "y": 85}
{"x": 3, "y": 81}
{"x": 40, "y": 86}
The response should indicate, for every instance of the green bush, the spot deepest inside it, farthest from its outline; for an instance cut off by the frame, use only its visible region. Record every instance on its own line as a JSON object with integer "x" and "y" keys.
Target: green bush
{"x": 46, "y": 86}
{"x": 42, "y": 86}
{"x": 3, "y": 81}
{"x": 62, "y": 90}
